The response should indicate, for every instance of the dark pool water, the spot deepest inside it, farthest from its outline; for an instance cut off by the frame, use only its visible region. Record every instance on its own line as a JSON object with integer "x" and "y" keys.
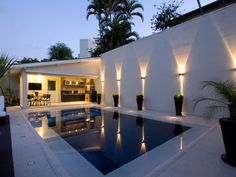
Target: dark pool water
{"x": 107, "y": 139}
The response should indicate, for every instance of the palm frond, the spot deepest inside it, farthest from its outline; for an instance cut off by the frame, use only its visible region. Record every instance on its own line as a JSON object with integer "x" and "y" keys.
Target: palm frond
{"x": 210, "y": 110}
{"x": 5, "y": 64}
{"x": 204, "y": 99}
{"x": 224, "y": 90}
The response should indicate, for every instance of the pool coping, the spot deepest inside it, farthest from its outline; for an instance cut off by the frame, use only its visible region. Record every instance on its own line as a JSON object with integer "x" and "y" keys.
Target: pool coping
{"x": 59, "y": 169}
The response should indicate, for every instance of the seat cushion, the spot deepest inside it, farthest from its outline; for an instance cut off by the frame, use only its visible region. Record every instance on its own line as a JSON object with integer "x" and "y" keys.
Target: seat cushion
{"x": 3, "y": 114}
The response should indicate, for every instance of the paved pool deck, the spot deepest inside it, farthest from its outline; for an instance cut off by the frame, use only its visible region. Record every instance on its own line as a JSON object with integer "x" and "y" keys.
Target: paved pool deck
{"x": 197, "y": 158}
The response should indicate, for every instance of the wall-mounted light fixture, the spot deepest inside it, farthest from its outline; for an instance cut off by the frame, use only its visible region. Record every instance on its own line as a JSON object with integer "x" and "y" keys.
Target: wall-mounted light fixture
{"x": 142, "y": 78}
{"x": 181, "y": 74}
{"x": 117, "y": 80}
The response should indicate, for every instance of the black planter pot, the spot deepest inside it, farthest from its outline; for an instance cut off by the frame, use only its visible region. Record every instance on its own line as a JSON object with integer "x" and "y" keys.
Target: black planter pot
{"x": 115, "y": 115}
{"x": 2, "y": 120}
{"x": 116, "y": 99}
{"x": 178, "y": 107}
{"x": 140, "y": 104}
{"x": 99, "y": 99}
{"x": 228, "y": 128}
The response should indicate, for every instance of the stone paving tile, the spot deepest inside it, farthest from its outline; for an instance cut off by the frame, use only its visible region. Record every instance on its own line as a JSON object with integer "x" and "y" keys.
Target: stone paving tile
{"x": 201, "y": 160}
{"x": 30, "y": 159}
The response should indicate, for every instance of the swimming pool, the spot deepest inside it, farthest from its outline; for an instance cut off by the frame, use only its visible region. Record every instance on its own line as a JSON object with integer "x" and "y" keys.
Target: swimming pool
{"x": 107, "y": 139}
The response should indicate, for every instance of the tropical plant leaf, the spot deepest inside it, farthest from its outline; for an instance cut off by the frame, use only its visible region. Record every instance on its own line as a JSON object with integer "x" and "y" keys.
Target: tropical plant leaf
{"x": 210, "y": 110}
{"x": 224, "y": 92}
{"x": 5, "y": 64}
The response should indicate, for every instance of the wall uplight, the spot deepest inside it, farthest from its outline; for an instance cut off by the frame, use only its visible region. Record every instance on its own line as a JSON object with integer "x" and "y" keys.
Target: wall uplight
{"x": 143, "y": 78}
{"x": 181, "y": 74}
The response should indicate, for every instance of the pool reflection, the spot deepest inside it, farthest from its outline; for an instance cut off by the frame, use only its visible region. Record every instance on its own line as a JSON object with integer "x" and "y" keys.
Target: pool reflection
{"x": 106, "y": 139}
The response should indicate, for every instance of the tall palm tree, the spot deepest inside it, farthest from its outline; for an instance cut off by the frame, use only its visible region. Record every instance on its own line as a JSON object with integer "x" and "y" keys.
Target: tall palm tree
{"x": 115, "y": 20}
{"x": 111, "y": 8}
{"x": 5, "y": 64}
{"x": 96, "y": 8}
{"x": 122, "y": 32}
{"x": 129, "y": 8}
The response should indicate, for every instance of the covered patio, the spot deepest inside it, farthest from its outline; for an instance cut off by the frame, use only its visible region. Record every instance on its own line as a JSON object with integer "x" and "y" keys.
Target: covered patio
{"x": 42, "y": 84}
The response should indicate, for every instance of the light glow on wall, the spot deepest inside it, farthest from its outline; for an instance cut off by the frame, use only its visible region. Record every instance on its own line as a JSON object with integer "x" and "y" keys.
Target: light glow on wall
{"x": 143, "y": 84}
{"x": 181, "y": 80}
{"x": 143, "y": 65}
{"x": 230, "y": 46}
{"x": 118, "y": 91}
{"x": 118, "y": 67}
{"x": 229, "y": 42}
{"x": 30, "y": 78}
{"x": 118, "y": 71}
{"x": 35, "y": 78}
{"x": 39, "y": 78}
{"x": 102, "y": 87}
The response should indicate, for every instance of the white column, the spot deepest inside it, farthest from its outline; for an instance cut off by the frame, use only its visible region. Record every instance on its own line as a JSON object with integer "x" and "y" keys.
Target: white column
{"x": 24, "y": 90}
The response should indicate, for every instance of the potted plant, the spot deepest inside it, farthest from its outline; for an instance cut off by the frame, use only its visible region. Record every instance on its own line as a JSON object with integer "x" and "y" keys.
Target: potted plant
{"x": 178, "y": 104}
{"x": 224, "y": 97}
{"x": 139, "y": 99}
{"x": 99, "y": 96}
{"x": 116, "y": 99}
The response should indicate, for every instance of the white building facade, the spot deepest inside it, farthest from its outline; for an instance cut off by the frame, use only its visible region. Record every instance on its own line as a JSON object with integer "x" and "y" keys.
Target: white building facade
{"x": 86, "y": 45}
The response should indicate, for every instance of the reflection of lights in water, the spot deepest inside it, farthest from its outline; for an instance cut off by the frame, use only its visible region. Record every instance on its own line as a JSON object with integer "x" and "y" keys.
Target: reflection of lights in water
{"x": 102, "y": 121}
{"x": 102, "y": 131}
{"x": 143, "y": 148}
{"x": 143, "y": 144}
{"x": 143, "y": 135}
{"x": 40, "y": 132}
{"x": 118, "y": 128}
{"x": 118, "y": 139}
{"x": 118, "y": 136}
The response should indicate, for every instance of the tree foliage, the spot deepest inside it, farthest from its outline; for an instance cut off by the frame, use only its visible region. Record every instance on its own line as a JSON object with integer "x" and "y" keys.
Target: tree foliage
{"x": 166, "y": 14}
{"x": 115, "y": 22}
{"x": 28, "y": 60}
{"x": 5, "y": 64}
{"x": 60, "y": 51}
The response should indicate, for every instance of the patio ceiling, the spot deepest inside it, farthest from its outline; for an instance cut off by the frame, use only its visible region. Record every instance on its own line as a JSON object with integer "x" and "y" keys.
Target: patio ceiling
{"x": 62, "y": 74}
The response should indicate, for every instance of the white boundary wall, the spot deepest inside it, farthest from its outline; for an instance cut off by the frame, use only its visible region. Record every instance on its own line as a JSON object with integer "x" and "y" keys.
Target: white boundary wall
{"x": 203, "y": 48}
